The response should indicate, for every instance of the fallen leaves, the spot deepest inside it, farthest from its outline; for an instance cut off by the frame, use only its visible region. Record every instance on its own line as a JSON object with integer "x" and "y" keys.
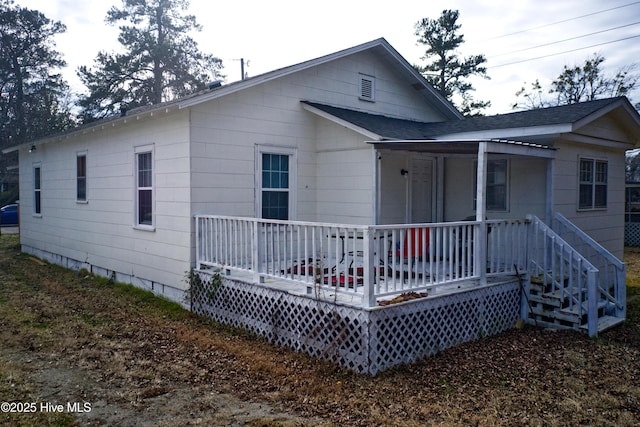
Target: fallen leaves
{"x": 128, "y": 353}
{"x": 406, "y": 296}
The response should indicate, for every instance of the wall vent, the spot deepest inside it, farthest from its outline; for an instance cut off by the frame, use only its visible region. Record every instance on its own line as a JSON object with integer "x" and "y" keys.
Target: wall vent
{"x": 367, "y": 88}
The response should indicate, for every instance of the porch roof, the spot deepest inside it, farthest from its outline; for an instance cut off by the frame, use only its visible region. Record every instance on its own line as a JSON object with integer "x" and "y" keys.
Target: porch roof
{"x": 531, "y": 124}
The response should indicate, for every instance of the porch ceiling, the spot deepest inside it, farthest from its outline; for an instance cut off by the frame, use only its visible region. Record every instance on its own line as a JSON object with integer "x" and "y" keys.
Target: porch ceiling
{"x": 468, "y": 147}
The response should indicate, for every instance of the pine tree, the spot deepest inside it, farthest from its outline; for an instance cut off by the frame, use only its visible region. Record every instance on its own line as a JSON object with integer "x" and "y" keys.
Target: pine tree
{"x": 161, "y": 62}
{"x": 447, "y": 72}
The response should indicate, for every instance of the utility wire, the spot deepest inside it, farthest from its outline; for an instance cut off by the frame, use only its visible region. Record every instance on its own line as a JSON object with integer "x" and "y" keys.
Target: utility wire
{"x": 565, "y": 40}
{"x": 566, "y": 51}
{"x": 564, "y": 20}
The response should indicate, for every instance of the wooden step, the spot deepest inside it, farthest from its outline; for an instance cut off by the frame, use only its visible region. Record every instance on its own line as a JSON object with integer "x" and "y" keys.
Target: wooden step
{"x": 555, "y": 299}
{"x": 576, "y": 308}
{"x": 539, "y": 279}
{"x": 572, "y": 318}
{"x": 604, "y": 323}
{"x": 549, "y": 325}
{"x": 541, "y": 299}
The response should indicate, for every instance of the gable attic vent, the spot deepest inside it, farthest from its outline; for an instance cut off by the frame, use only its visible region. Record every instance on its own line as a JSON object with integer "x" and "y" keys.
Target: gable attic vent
{"x": 367, "y": 88}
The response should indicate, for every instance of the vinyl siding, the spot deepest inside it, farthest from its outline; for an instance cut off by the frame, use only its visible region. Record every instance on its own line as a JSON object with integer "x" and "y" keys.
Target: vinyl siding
{"x": 604, "y": 225}
{"x": 526, "y": 187}
{"x": 335, "y": 165}
{"x": 101, "y": 232}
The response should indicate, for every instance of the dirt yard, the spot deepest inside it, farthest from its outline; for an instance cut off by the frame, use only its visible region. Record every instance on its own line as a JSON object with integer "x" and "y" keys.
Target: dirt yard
{"x": 79, "y": 350}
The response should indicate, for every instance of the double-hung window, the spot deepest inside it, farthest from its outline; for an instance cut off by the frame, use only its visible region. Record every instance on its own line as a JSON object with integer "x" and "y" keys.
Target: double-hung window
{"x": 144, "y": 186}
{"x": 81, "y": 177}
{"x": 593, "y": 177}
{"x": 277, "y": 173}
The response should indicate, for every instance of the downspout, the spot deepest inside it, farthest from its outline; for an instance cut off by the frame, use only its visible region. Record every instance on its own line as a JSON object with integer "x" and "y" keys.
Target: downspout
{"x": 480, "y": 244}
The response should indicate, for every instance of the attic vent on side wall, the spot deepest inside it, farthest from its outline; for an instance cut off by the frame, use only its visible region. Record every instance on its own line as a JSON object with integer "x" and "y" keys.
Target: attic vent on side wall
{"x": 367, "y": 88}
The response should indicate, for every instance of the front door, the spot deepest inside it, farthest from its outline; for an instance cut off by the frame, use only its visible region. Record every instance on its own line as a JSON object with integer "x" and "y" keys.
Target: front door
{"x": 421, "y": 184}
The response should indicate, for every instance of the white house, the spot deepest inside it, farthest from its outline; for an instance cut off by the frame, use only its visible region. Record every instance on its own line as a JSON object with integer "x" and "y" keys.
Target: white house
{"x": 357, "y": 137}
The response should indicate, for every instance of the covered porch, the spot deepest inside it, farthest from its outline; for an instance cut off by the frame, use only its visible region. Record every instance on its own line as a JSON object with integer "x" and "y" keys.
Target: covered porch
{"x": 372, "y": 296}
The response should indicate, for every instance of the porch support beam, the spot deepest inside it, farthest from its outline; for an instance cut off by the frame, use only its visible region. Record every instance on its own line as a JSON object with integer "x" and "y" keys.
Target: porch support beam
{"x": 480, "y": 246}
{"x": 518, "y": 149}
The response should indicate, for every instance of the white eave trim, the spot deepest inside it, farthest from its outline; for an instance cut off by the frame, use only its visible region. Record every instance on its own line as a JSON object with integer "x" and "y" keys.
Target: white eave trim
{"x": 633, "y": 114}
{"x": 276, "y": 74}
{"x": 95, "y": 127}
{"x": 367, "y": 133}
{"x": 511, "y": 133}
{"x": 584, "y": 139}
{"x": 494, "y": 146}
{"x": 442, "y": 103}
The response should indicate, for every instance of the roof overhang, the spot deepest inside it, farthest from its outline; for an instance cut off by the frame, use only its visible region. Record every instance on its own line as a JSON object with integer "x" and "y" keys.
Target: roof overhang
{"x": 514, "y": 133}
{"x": 380, "y": 47}
{"x": 347, "y": 124}
{"x": 93, "y": 127}
{"x": 494, "y": 146}
{"x": 623, "y": 111}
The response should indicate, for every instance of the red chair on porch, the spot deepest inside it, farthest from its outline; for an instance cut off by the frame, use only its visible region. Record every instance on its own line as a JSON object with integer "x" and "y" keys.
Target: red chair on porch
{"x": 416, "y": 245}
{"x": 413, "y": 247}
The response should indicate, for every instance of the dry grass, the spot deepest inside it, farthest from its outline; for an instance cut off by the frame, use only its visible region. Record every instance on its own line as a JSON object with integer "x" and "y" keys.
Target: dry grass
{"x": 142, "y": 360}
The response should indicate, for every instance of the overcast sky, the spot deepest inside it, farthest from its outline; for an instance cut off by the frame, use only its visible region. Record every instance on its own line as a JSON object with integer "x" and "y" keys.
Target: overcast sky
{"x": 523, "y": 40}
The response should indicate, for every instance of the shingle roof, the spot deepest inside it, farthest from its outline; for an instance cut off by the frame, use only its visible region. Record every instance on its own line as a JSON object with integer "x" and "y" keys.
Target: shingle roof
{"x": 392, "y": 128}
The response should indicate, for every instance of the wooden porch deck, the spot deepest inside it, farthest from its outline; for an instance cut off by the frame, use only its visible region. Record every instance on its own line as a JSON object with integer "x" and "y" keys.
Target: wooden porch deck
{"x": 370, "y": 297}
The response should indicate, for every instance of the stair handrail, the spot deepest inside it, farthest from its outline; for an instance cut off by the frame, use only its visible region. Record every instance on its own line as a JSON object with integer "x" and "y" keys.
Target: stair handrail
{"x": 564, "y": 227}
{"x": 586, "y": 269}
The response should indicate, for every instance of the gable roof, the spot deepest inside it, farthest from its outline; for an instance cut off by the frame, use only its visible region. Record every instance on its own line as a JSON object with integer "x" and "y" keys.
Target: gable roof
{"x": 550, "y": 120}
{"x": 379, "y": 47}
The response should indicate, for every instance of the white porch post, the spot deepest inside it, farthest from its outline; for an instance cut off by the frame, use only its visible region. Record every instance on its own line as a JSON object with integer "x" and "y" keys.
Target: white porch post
{"x": 256, "y": 253}
{"x": 440, "y": 161}
{"x": 480, "y": 244}
{"x": 549, "y": 195}
{"x": 377, "y": 161}
{"x": 369, "y": 295}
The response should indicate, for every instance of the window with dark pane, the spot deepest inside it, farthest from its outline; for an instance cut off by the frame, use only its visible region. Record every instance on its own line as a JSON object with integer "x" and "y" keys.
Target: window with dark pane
{"x": 37, "y": 190}
{"x": 497, "y": 185}
{"x": 593, "y": 182}
{"x": 81, "y": 177}
{"x": 275, "y": 186}
{"x": 600, "y": 190}
{"x": 145, "y": 189}
{"x": 496, "y": 189}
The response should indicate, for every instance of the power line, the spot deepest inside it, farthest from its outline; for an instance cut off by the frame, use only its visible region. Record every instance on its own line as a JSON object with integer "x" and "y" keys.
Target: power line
{"x": 564, "y": 20}
{"x": 566, "y": 51}
{"x": 566, "y": 40}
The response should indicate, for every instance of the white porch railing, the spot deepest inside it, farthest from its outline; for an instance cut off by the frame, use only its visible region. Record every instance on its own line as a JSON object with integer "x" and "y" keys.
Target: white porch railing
{"x": 564, "y": 272}
{"x": 364, "y": 261}
{"x": 612, "y": 271}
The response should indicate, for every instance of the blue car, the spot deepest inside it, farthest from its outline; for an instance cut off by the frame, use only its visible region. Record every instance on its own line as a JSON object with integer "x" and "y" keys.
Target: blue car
{"x": 9, "y": 215}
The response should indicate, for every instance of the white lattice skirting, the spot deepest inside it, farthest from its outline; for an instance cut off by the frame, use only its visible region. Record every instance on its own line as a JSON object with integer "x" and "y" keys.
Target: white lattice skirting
{"x": 632, "y": 234}
{"x": 366, "y": 341}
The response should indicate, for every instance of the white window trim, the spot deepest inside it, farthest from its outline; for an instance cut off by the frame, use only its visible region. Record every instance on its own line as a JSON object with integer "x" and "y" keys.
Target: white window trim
{"x": 86, "y": 180}
{"x": 361, "y": 78}
{"x": 593, "y": 207}
{"x": 292, "y": 152}
{"x": 35, "y": 166}
{"x": 149, "y": 148}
